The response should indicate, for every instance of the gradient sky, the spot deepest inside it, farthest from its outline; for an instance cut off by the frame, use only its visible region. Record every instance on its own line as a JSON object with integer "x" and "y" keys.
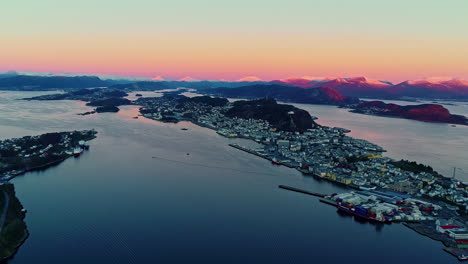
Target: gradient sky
{"x": 206, "y": 39}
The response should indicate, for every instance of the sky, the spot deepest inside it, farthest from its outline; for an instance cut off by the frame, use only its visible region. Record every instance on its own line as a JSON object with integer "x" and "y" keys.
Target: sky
{"x": 391, "y": 40}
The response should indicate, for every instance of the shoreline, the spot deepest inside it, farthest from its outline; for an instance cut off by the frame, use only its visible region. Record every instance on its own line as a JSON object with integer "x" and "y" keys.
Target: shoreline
{"x": 21, "y": 213}
{"x": 43, "y": 166}
{"x": 430, "y": 234}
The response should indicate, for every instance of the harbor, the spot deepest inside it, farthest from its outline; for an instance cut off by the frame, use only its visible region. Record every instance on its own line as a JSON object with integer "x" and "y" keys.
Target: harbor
{"x": 380, "y": 206}
{"x": 329, "y": 154}
{"x": 77, "y": 191}
{"x": 21, "y": 155}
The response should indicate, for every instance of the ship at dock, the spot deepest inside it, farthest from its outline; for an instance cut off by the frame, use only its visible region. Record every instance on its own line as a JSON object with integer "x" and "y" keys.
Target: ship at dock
{"x": 83, "y": 144}
{"x": 77, "y": 151}
{"x": 382, "y": 206}
{"x": 364, "y": 213}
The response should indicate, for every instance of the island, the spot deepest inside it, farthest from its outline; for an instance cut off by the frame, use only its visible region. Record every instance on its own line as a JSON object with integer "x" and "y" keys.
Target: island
{"x": 423, "y": 112}
{"x": 90, "y": 94}
{"x": 112, "y": 101}
{"x": 107, "y": 109}
{"x": 20, "y": 155}
{"x": 385, "y": 190}
{"x": 105, "y": 99}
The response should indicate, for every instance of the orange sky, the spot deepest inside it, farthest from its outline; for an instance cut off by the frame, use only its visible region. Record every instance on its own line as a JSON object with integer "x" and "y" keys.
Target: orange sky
{"x": 233, "y": 56}
{"x": 393, "y": 40}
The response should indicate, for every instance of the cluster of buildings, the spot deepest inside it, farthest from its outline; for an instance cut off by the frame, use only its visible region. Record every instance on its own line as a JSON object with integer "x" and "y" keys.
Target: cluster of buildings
{"x": 21, "y": 154}
{"x": 387, "y": 205}
{"x": 386, "y": 189}
{"x": 326, "y": 152}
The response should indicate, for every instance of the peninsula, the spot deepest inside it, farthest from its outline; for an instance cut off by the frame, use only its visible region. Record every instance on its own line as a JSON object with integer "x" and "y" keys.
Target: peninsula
{"x": 388, "y": 190}
{"x": 20, "y": 155}
{"x": 289, "y": 136}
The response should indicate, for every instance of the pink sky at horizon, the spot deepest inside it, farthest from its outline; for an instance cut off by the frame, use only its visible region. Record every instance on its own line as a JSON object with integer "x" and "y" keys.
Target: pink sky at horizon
{"x": 228, "y": 56}
{"x": 247, "y": 78}
{"x": 392, "y": 40}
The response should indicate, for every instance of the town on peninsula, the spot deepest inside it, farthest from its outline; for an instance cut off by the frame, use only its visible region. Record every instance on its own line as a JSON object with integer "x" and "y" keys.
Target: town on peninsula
{"x": 381, "y": 190}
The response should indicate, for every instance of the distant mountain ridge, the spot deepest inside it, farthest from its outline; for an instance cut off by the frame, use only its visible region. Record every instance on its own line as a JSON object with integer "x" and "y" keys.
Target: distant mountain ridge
{"x": 287, "y": 93}
{"x": 433, "y": 88}
{"x": 35, "y": 83}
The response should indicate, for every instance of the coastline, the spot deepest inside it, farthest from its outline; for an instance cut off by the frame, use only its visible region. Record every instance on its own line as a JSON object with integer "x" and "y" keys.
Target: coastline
{"x": 15, "y": 213}
{"x": 45, "y": 165}
{"x": 411, "y": 225}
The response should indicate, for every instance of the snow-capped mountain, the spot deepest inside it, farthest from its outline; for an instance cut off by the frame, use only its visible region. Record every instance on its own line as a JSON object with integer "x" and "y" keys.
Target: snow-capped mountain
{"x": 365, "y": 87}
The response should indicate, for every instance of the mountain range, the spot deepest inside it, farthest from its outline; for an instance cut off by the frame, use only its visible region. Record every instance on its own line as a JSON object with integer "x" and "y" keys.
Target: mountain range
{"x": 286, "y": 93}
{"x": 431, "y": 88}
{"x": 38, "y": 83}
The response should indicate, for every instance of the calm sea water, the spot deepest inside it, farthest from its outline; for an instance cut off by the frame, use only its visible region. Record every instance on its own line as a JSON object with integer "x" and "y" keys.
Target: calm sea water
{"x": 148, "y": 192}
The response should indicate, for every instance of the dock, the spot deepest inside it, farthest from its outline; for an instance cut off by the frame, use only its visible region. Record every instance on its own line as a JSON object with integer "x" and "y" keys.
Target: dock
{"x": 329, "y": 202}
{"x": 301, "y": 191}
{"x": 253, "y": 152}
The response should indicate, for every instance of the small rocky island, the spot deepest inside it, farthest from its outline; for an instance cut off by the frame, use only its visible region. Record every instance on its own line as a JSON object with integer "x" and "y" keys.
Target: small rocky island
{"x": 105, "y": 99}
{"x": 88, "y": 95}
{"x": 424, "y": 112}
{"x": 20, "y": 155}
{"x": 13, "y": 230}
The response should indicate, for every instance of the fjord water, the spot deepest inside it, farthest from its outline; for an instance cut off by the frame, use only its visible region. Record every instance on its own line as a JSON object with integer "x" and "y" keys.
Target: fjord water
{"x": 148, "y": 192}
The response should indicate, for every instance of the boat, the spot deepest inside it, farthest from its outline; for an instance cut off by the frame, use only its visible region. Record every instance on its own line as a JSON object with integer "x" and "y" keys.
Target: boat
{"x": 83, "y": 144}
{"x": 373, "y": 218}
{"x": 367, "y": 187}
{"x": 77, "y": 152}
{"x": 463, "y": 257}
{"x": 274, "y": 161}
{"x": 86, "y": 145}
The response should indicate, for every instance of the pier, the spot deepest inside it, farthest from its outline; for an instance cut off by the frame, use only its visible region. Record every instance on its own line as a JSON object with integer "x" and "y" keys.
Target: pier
{"x": 301, "y": 191}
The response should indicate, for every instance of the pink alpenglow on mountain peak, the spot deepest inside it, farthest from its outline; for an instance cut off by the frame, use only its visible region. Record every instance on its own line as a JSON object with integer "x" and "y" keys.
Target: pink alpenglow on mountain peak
{"x": 188, "y": 79}
{"x": 330, "y": 82}
{"x": 440, "y": 80}
{"x": 158, "y": 78}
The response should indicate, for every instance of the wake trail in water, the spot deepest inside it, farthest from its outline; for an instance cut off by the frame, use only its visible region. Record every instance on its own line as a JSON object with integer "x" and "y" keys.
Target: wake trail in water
{"x": 212, "y": 167}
